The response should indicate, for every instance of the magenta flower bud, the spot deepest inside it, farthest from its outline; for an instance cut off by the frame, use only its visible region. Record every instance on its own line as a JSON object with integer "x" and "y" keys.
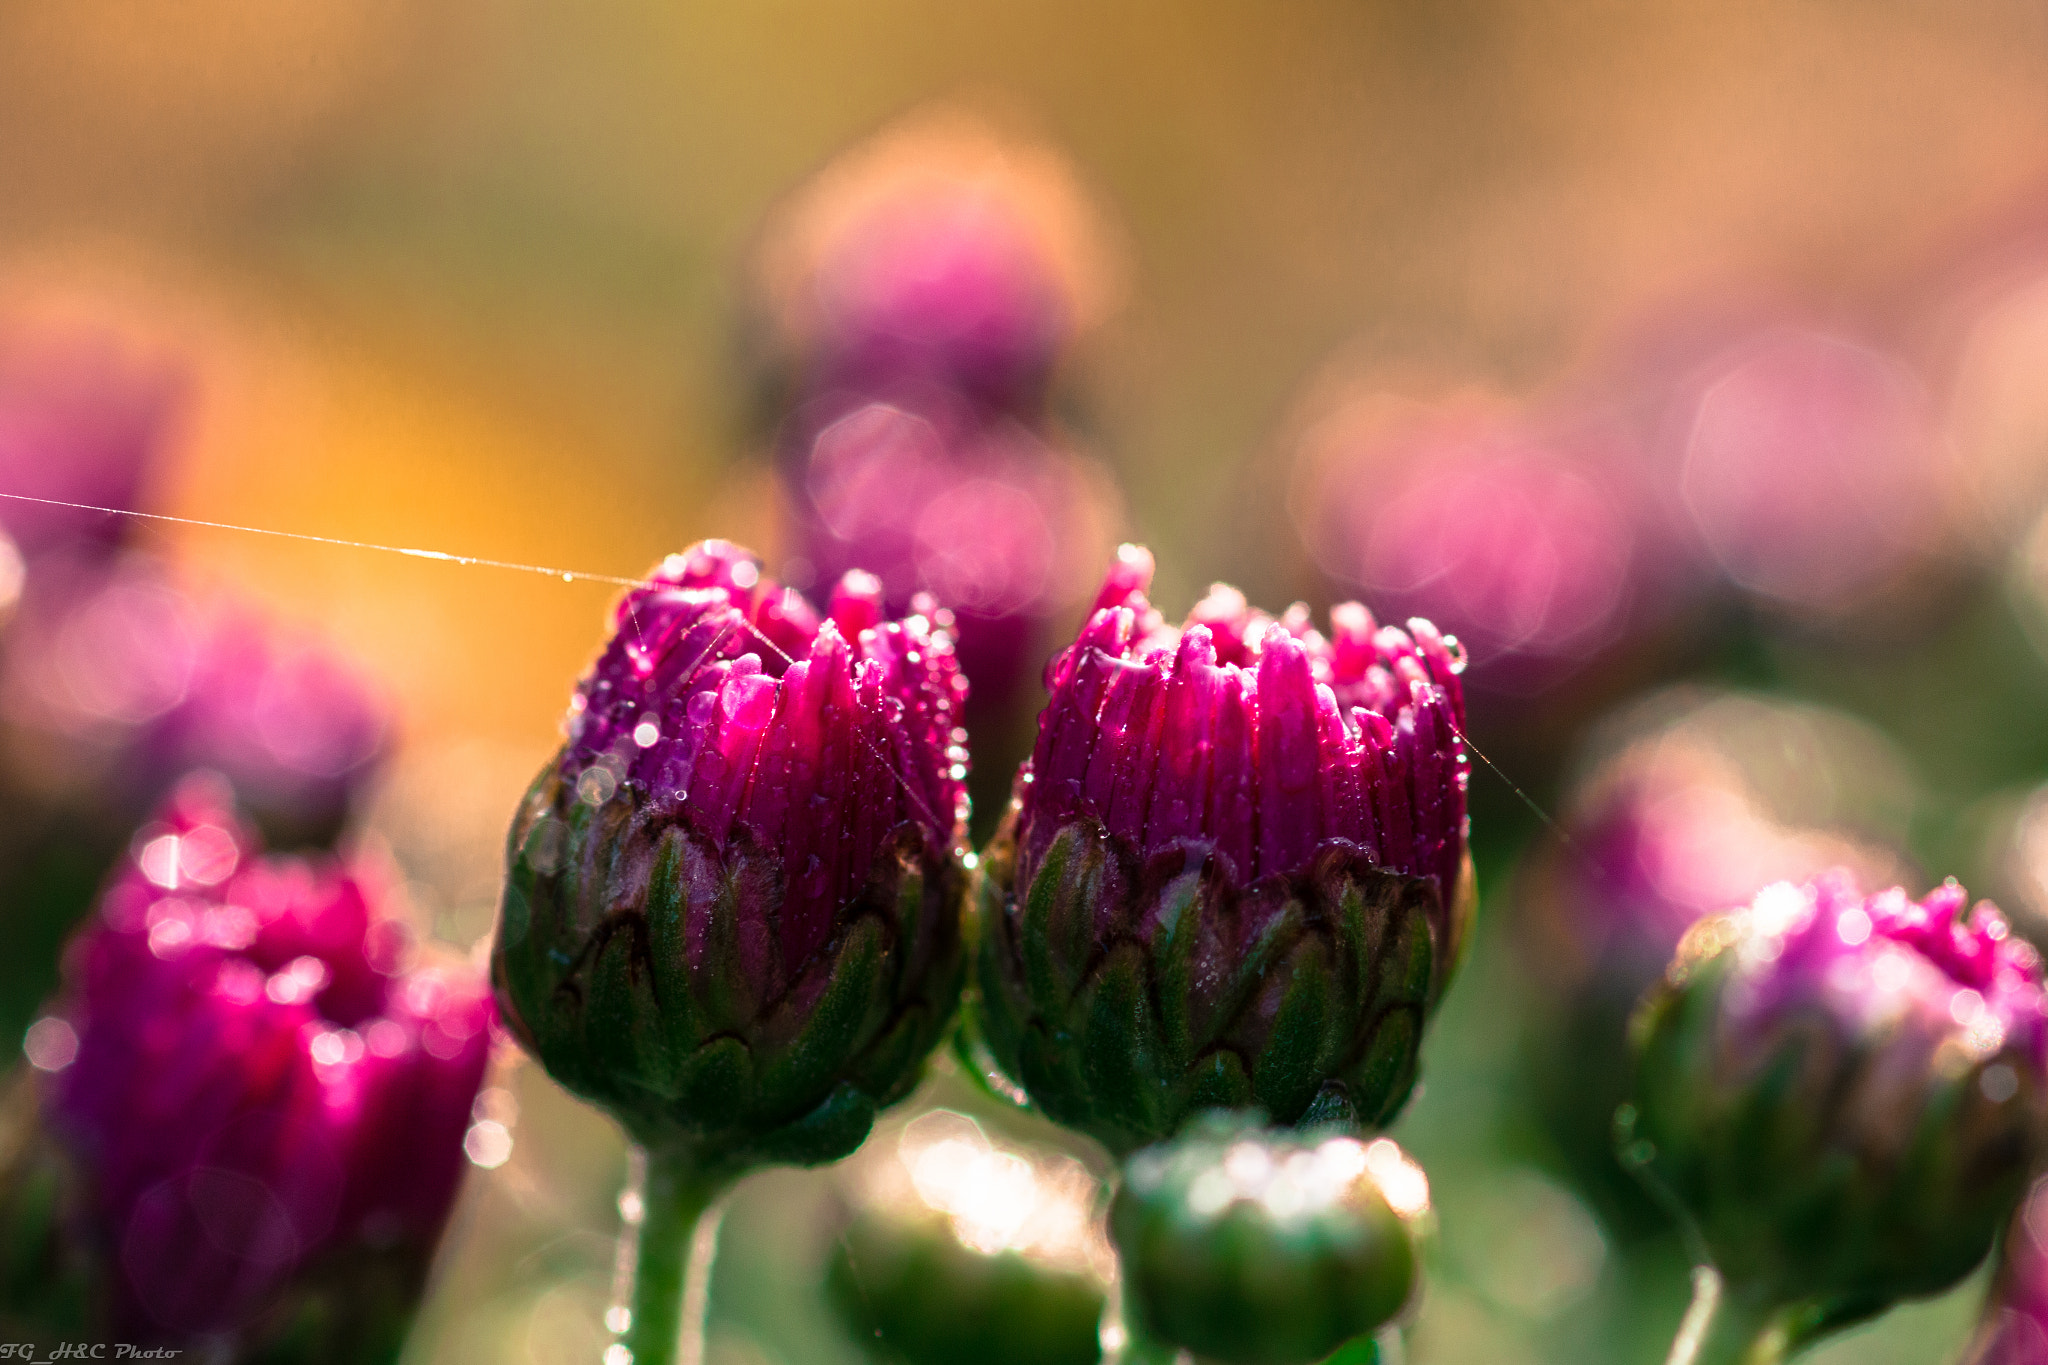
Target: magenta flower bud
{"x": 1235, "y": 872}
{"x": 265, "y": 1109}
{"x": 1678, "y": 825}
{"x": 1844, "y": 1095}
{"x": 114, "y": 684}
{"x": 733, "y": 911}
{"x": 939, "y": 256}
{"x": 82, "y": 416}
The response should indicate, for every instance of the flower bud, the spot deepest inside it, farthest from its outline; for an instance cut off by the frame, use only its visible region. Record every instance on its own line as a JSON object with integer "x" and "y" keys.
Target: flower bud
{"x": 1842, "y": 1093}
{"x": 939, "y": 254}
{"x": 732, "y": 914}
{"x": 1682, "y": 821}
{"x": 1235, "y": 871}
{"x": 264, "y": 1110}
{"x": 1251, "y": 1247}
{"x": 83, "y": 412}
{"x": 958, "y": 1249}
{"x": 115, "y": 683}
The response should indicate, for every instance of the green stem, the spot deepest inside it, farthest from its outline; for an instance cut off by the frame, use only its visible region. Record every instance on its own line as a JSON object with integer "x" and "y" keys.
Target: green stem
{"x": 1727, "y": 1327}
{"x": 670, "y": 1195}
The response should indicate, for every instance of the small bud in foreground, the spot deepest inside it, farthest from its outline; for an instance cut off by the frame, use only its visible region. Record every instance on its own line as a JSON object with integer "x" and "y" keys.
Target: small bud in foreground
{"x": 1234, "y": 874}
{"x": 957, "y": 1249}
{"x": 1251, "y": 1247}
{"x": 1844, "y": 1095}
{"x": 265, "y": 1110}
{"x": 732, "y": 914}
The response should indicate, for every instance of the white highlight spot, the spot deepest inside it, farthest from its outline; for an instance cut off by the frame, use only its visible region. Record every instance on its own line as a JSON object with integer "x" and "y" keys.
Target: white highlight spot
{"x": 336, "y": 1047}
{"x": 488, "y": 1144}
{"x": 159, "y": 861}
{"x": 596, "y": 785}
{"x": 1853, "y": 926}
{"x": 646, "y": 733}
{"x": 50, "y": 1044}
{"x": 300, "y": 981}
{"x": 1401, "y": 1181}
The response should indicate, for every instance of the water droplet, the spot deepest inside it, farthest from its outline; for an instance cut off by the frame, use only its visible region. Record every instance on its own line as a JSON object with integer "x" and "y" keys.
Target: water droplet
{"x": 596, "y": 785}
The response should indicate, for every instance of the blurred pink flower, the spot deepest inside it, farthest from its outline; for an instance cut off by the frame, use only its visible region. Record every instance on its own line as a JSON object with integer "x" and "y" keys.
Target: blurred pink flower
{"x": 259, "y": 1085}
{"x": 1518, "y": 538}
{"x": 82, "y": 419}
{"x": 1811, "y": 466}
{"x": 140, "y": 681}
{"x": 990, "y": 518}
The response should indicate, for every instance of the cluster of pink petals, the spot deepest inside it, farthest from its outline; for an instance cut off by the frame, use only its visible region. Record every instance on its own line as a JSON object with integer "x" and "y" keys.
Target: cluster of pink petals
{"x": 1885, "y": 956}
{"x": 1260, "y": 737}
{"x": 729, "y": 704}
{"x": 259, "y": 1081}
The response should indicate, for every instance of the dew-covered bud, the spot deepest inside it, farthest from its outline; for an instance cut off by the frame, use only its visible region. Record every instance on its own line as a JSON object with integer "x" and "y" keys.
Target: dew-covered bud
{"x": 1234, "y": 874}
{"x": 732, "y": 914}
{"x": 958, "y": 1248}
{"x": 264, "y": 1106}
{"x": 1843, "y": 1094}
{"x": 1253, "y": 1247}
